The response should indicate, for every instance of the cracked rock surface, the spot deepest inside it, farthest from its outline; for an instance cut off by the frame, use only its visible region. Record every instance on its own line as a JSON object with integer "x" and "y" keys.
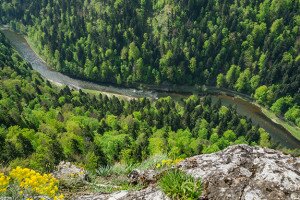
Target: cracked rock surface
{"x": 238, "y": 172}
{"x": 244, "y": 172}
{"x": 150, "y": 193}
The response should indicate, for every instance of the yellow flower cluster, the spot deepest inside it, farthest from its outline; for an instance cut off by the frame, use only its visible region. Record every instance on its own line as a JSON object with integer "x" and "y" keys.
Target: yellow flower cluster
{"x": 168, "y": 163}
{"x": 4, "y": 182}
{"x": 30, "y": 183}
{"x": 30, "y": 180}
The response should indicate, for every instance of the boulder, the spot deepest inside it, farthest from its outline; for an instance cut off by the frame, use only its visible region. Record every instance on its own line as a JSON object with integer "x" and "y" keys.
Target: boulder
{"x": 70, "y": 175}
{"x": 245, "y": 172}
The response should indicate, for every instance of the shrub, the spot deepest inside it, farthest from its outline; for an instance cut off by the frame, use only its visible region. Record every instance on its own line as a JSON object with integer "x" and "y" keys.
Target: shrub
{"x": 91, "y": 161}
{"x": 178, "y": 185}
{"x": 24, "y": 182}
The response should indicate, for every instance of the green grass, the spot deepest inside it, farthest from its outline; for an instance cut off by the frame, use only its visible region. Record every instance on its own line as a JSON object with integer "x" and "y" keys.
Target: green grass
{"x": 111, "y": 184}
{"x": 113, "y": 178}
{"x": 151, "y": 162}
{"x": 119, "y": 169}
{"x": 178, "y": 185}
{"x": 116, "y": 169}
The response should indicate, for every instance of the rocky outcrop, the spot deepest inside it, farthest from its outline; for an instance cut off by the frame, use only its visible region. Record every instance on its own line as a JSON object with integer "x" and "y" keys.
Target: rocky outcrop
{"x": 244, "y": 172}
{"x": 238, "y": 172}
{"x": 70, "y": 175}
{"x": 150, "y": 193}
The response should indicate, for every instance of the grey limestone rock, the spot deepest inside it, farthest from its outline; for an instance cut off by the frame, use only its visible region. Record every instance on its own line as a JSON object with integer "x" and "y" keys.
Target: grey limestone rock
{"x": 70, "y": 175}
{"x": 238, "y": 172}
{"x": 245, "y": 172}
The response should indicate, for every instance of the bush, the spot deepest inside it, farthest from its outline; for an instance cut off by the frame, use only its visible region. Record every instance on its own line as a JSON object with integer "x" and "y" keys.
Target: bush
{"x": 178, "y": 185}
{"x": 23, "y": 183}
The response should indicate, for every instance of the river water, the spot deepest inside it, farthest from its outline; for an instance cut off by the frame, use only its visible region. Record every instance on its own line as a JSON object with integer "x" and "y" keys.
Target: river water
{"x": 278, "y": 133}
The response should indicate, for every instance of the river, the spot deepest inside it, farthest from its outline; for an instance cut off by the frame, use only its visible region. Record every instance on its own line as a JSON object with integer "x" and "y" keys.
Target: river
{"x": 277, "y": 132}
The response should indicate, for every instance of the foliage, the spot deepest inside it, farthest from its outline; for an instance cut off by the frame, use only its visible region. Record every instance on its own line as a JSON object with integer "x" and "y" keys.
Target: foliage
{"x": 282, "y": 105}
{"x": 151, "y": 162}
{"x": 38, "y": 132}
{"x": 178, "y": 185}
{"x": 238, "y": 45}
{"x": 248, "y": 46}
{"x": 104, "y": 171}
{"x": 116, "y": 169}
{"x": 293, "y": 114}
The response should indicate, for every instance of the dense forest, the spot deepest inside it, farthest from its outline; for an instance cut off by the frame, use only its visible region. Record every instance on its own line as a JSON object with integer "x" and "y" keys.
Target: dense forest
{"x": 42, "y": 124}
{"x": 249, "y": 46}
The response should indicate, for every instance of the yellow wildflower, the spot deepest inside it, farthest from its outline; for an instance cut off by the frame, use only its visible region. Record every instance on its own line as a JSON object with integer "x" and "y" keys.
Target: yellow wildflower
{"x": 168, "y": 163}
{"x": 4, "y": 182}
{"x": 60, "y": 197}
{"x": 29, "y": 180}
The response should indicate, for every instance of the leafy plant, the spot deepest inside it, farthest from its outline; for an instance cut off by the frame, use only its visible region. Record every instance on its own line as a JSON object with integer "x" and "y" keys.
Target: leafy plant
{"x": 178, "y": 185}
{"x": 104, "y": 171}
{"x": 152, "y": 162}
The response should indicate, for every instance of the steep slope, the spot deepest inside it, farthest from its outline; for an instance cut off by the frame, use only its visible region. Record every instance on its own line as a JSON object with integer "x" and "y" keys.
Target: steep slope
{"x": 241, "y": 45}
{"x": 41, "y": 124}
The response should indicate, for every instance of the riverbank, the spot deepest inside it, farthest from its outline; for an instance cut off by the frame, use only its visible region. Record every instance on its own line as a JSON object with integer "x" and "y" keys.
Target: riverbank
{"x": 94, "y": 92}
{"x": 293, "y": 129}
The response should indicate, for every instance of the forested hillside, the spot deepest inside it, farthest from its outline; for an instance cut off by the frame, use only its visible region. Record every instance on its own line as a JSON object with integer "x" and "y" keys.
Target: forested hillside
{"x": 249, "y": 46}
{"x": 42, "y": 124}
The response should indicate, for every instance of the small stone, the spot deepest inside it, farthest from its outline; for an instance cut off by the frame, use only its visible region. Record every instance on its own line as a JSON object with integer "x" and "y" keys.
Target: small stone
{"x": 143, "y": 177}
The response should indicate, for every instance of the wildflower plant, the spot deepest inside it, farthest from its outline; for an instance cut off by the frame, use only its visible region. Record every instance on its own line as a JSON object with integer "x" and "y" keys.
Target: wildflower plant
{"x": 168, "y": 163}
{"x": 4, "y": 182}
{"x": 24, "y": 183}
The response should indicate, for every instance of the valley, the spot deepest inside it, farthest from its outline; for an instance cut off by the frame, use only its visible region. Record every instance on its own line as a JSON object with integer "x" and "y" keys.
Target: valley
{"x": 278, "y": 133}
{"x": 149, "y": 99}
